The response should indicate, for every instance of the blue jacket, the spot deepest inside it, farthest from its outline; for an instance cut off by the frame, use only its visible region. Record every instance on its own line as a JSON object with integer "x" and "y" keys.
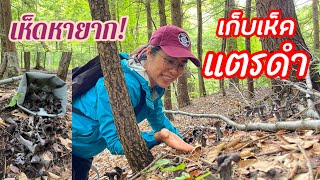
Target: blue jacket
{"x": 91, "y": 136}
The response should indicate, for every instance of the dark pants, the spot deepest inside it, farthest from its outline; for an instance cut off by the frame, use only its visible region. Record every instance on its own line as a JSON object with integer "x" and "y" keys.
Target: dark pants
{"x": 80, "y": 168}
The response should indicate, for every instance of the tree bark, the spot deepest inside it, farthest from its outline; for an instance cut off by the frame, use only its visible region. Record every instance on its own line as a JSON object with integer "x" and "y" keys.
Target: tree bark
{"x": 135, "y": 149}
{"x": 27, "y": 61}
{"x": 167, "y": 93}
{"x": 223, "y": 47}
{"x": 232, "y": 45}
{"x": 182, "y": 95}
{"x": 315, "y": 13}
{"x": 10, "y": 66}
{"x": 202, "y": 88}
{"x": 272, "y": 44}
{"x": 38, "y": 66}
{"x": 149, "y": 18}
{"x": 64, "y": 65}
{"x": 248, "y": 48}
{"x": 162, "y": 12}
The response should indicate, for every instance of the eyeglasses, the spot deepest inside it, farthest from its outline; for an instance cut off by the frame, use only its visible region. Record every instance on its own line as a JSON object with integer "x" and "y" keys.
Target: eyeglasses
{"x": 171, "y": 63}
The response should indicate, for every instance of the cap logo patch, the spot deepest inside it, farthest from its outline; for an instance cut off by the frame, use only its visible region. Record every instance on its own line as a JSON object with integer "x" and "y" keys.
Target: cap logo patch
{"x": 184, "y": 39}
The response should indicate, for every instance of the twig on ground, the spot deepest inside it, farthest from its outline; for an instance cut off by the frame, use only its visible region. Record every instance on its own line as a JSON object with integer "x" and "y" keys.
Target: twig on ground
{"x": 307, "y": 160}
{"x": 292, "y": 125}
{"x": 245, "y": 100}
{"x": 151, "y": 164}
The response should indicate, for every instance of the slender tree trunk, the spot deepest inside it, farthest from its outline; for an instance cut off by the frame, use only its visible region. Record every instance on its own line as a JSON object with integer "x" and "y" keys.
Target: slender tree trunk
{"x": 149, "y": 18}
{"x": 272, "y": 44}
{"x": 202, "y": 88}
{"x": 248, "y": 48}
{"x": 182, "y": 95}
{"x": 38, "y": 66}
{"x": 232, "y": 45}
{"x": 167, "y": 94}
{"x": 315, "y": 13}
{"x": 10, "y": 61}
{"x": 27, "y": 61}
{"x": 162, "y": 12}
{"x": 64, "y": 65}
{"x": 223, "y": 46}
{"x": 135, "y": 149}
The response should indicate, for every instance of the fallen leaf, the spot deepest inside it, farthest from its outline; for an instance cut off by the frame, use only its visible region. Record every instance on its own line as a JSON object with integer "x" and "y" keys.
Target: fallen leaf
{"x": 246, "y": 162}
{"x": 195, "y": 173}
{"x": 232, "y": 143}
{"x": 316, "y": 148}
{"x": 292, "y": 140}
{"x": 19, "y": 114}
{"x": 290, "y": 147}
{"x": 260, "y": 134}
{"x": 246, "y": 154}
{"x": 53, "y": 176}
{"x": 22, "y": 176}
{"x": 196, "y": 153}
{"x": 215, "y": 151}
{"x": 282, "y": 139}
{"x": 308, "y": 144}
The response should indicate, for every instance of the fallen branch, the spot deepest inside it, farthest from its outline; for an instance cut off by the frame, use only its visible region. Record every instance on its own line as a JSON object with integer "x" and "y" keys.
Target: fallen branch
{"x": 315, "y": 93}
{"x": 9, "y": 80}
{"x": 291, "y": 125}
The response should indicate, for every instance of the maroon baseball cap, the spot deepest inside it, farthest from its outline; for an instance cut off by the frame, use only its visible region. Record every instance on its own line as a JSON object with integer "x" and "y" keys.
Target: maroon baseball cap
{"x": 174, "y": 41}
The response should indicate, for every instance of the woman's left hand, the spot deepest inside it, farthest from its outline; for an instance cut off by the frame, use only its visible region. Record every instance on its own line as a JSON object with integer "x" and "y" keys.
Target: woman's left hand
{"x": 172, "y": 140}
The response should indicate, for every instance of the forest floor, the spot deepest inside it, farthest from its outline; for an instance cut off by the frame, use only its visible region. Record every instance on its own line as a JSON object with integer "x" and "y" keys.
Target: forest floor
{"x": 263, "y": 155}
{"x": 52, "y": 160}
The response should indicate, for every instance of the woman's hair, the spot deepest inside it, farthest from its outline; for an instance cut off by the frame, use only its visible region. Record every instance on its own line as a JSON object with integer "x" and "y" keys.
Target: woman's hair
{"x": 140, "y": 54}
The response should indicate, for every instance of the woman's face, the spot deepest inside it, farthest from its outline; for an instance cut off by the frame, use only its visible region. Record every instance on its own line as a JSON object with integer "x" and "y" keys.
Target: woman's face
{"x": 163, "y": 69}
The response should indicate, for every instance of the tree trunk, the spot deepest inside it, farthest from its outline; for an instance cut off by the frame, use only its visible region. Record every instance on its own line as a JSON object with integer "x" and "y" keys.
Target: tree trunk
{"x": 27, "y": 61}
{"x": 182, "y": 95}
{"x": 167, "y": 93}
{"x": 232, "y": 45}
{"x": 162, "y": 12}
{"x": 248, "y": 48}
{"x": 10, "y": 61}
{"x": 149, "y": 18}
{"x": 272, "y": 44}
{"x": 38, "y": 66}
{"x": 315, "y": 13}
{"x": 202, "y": 88}
{"x": 223, "y": 47}
{"x": 64, "y": 65}
{"x": 135, "y": 149}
